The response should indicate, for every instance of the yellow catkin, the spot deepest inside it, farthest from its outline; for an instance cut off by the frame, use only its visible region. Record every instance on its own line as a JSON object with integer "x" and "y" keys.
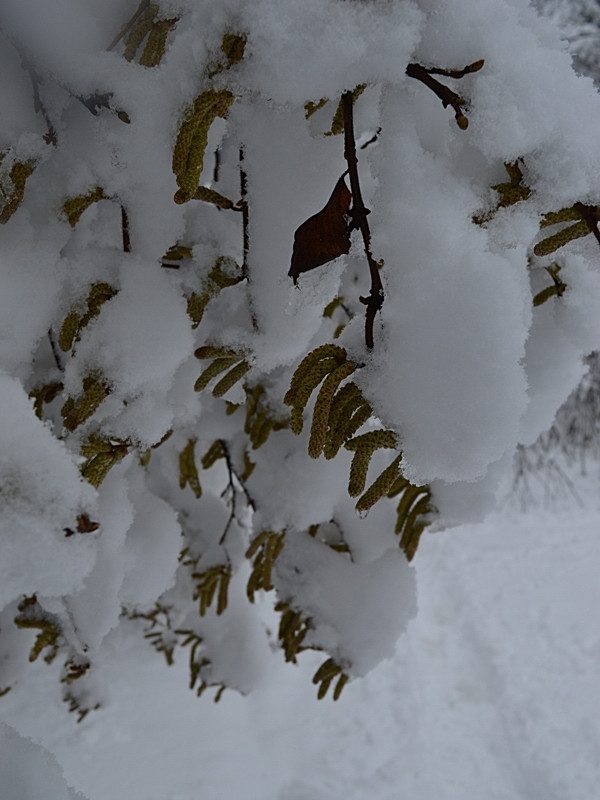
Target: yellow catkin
{"x": 408, "y": 498}
{"x": 511, "y": 192}
{"x": 372, "y": 440}
{"x": 233, "y": 45}
{"x": 342, "y": 681}
{"x": 346, "y": 401}
{"x": 249, "y": 467}
{"x": 207, "y": 591}
{"x": 290, "y": 619}
{"x": 398, "y": 486}
{"x": 48, "y": 637}
{"x": 563, "y": 237}
{"x": 355, "y": 421}
{"x": 215, "y": 368}
{"x": 97, "y": 468}
{"x": 231, "y": 378}
{"x": 312, "y": 377}
{"x": 222, "y": 279}
{"x": 310, "y": 107}
{"x": 213, "y": 351}
{"x": 331, "y": 307}
{"x": 223, "y": 590}
{"x": 188, "y": 153}
{"x": 337, "y": 124}
{"x": 215, "y": 452}
{"x": 545, "y": 294}
{"x": 380, "y": 486}
{"x": 327, "y": 670}
{"x": 563, "y": 215}
{"x": 99, "y": 294}
{"x": 75, "y": 412}
{"x": 68, "y": 331}
{"x": 45, "y": 394}
{"x": 212, "y": 196}
{"x": 322, "y": 407}
{"x": 75, "y": 321}
{"x": 75, "y": 207}
{"x": 259, "y": 433}
{"x": 265, "y": 549}
{"x": 358, "y": 472}
{"x": 412, "y": 529}
{"x": 257, "y": 542}
{"x": 137, "y": 34}
{"x": 188, "y": 472}
{"x": 18, "y": 175}
{"x": 324, "y": 352}
{"x": 252, "y": 398}
{"x": 196, "y": 306}
{"x": 156, "y": 43}
{"x": 364, "y": 446}
{"x": 292, "y": 631}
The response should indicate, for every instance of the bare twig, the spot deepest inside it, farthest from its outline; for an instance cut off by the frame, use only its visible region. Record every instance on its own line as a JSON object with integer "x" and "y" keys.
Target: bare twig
{"x": 244, "y": 207}
{"x": 232, "y": 489}
{"x": 359, "y": 213}
{"x": 55, "y": 352}
{"x": 125, "y": 228}
{"x": 446, "y": 95}
{"x": 591, "y": 216}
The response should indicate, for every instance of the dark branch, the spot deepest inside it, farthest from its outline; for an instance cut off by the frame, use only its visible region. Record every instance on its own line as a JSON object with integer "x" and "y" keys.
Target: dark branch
{"x": 359, "y": 213}
{"x": 232, "y": 489}
{"x": 244, "y": 206}
{"x": 446, "y": 95}
{"x": 591, "y": 216}
{"x": 125, "y": 228}
{"x": 55, "y": 352}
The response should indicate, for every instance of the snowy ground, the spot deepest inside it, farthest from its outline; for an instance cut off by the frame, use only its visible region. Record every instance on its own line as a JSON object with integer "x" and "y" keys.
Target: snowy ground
{"x": 493, "y": 693}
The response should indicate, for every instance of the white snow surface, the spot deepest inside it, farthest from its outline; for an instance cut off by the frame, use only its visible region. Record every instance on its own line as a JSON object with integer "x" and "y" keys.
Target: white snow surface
{"x": 492, "y": 692}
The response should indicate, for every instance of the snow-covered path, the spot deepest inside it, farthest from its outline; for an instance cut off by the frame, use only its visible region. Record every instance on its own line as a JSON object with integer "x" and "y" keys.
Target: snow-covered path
{"x": 493, "y": 694}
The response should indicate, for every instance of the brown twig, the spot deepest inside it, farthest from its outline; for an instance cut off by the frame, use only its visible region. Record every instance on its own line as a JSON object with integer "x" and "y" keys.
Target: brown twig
{"x": 231, "y": 488}
{"x": 359, "y": 213}
{"x": 55, "y": 352}
{"x": 446, "y": 95}
{"x": 591, "y": 216}
{"x": 125, "y": 228}
{"x": 244, "y": 206}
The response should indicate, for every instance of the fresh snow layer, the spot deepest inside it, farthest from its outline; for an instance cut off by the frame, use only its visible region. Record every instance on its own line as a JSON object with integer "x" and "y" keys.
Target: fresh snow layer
{"x": 492, "y": 693}
{"x": 464, "y": 371}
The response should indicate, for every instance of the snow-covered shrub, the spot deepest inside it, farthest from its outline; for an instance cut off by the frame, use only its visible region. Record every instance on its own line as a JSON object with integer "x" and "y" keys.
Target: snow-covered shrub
{"x": 185, "y": 431}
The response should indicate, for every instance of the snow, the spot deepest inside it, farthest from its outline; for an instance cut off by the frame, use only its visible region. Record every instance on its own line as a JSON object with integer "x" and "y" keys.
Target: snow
{"x": 42, "y": 494}
{"x": 462, "y": 656}
{"x": 492, "y": 692}
{"x": 28, "y": 771}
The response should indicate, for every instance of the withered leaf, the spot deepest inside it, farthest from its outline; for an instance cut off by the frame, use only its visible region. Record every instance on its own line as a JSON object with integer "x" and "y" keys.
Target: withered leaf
{"x": 324, "y": 236}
